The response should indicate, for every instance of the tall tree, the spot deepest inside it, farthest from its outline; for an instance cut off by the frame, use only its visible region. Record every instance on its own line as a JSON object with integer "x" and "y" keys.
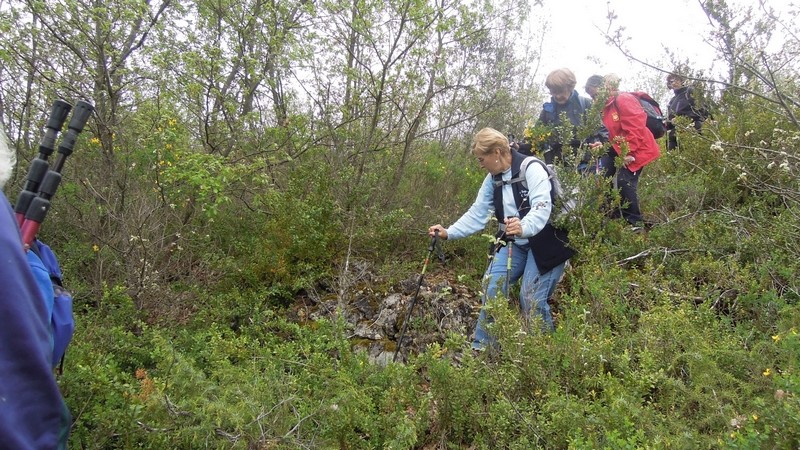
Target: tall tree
{"x": 94, "y": 51}
{"x": 406, "y": 70}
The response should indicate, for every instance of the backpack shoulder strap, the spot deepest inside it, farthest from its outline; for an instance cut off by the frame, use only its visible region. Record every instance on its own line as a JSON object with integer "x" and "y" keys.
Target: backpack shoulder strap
{"x": 550, "y": 176}
{"x": 45, "y": 253}
{"x": 523, "y": 168}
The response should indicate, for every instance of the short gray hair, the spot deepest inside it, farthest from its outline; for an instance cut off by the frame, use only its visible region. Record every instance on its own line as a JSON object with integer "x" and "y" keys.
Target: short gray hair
{"x": 8, "y": 159}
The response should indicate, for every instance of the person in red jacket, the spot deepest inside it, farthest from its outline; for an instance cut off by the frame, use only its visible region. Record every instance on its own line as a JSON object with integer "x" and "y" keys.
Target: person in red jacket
{"x": 631, "y": 142}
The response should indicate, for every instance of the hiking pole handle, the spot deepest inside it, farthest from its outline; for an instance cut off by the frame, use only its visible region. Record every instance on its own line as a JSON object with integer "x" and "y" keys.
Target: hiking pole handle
{"x": 39, "y": 165}
{"x": 40, "y": 204}
{"x": 39, "y": 207}
{"x": 431, "y": 248}
{"x": 56, "y": 121}
{"x": 79, "y": 118}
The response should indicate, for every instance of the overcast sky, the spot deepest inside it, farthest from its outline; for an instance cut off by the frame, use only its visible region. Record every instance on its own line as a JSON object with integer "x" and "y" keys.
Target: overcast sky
{"x": 575, "y": 39}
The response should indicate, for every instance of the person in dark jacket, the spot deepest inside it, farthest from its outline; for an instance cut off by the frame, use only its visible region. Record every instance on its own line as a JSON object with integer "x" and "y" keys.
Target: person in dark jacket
{"x": 32, "y": 412}
{"x": 682, "y": 104}
{"x": 593, "y": 85}
{"x": 564, "y": 100}
{"x": 538, "y": 252}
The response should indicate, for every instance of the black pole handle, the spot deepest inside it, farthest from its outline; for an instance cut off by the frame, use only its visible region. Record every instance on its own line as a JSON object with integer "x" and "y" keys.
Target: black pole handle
{"x": 79, "y": 118}
{"x": 39, "y": 165}
{"x": 40, "y": 204}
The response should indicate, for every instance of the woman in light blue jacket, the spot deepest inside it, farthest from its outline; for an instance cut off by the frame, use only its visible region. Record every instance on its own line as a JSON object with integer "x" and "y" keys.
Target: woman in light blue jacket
{"x": 522, "y": 203}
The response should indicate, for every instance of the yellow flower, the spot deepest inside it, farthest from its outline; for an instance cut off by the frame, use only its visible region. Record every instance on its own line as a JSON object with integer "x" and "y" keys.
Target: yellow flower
{"x": 95, "y": 248}
{"x": 755, "y": 417}
{"x": 94, "y": 140}
{"x": 767, "y": 372}
{"x": 776, "y": 338}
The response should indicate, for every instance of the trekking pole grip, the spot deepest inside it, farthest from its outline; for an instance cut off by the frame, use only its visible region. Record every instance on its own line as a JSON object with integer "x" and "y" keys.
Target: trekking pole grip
{"x": 39, "y": 165}
{"x": 79, "y": 118}
{"x": 40, "y": 204}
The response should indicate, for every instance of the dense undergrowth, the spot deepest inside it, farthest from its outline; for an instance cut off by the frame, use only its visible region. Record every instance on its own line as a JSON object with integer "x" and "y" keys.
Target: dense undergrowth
{"x": 685, "y": 336}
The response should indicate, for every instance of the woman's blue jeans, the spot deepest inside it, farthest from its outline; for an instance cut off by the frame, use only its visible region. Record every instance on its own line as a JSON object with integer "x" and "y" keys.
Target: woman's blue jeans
{"x": 536, "y": 289}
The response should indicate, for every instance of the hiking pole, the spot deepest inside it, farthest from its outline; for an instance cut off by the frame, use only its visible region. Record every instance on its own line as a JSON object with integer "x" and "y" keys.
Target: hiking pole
{"x": 431, "y": 247}
{"x": 40, "y": 205}
{"x": 510, "y": 244}
{"x": 39, "y": 165}
{"x": 494, "y": 247}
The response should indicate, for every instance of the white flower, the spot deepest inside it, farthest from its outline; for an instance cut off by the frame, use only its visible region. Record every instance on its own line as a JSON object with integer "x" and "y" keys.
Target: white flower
{"x": 771, "y": 165}
{"x": 717, "y": 146}
{"x": 785, "y": 166}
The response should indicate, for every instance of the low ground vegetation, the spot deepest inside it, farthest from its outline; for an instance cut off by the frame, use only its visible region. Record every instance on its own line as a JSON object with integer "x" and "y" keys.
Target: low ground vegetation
{"x": 683, "y": 336}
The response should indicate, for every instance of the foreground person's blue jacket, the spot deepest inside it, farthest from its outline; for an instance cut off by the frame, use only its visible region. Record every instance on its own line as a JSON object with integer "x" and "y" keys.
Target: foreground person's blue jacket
{"x": 32, "y": 412}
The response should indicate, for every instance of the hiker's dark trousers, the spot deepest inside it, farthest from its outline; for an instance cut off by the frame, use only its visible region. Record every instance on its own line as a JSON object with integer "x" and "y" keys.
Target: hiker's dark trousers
{"x": 628, "y": 184}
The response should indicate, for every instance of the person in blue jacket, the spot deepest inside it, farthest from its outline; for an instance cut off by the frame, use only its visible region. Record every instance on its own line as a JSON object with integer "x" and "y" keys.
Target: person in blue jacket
{"x": 538, "y": 252}
{"x": 564, "y": 101}
{"x": 33, "y": 414}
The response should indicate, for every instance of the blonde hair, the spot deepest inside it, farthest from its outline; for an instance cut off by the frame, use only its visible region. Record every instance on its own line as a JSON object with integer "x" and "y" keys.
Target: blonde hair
{"x": 488, "y": 140}
{"x": 612, "y": 81}
{"x": 8, "y": 159}
{"x": 561, "y": 79}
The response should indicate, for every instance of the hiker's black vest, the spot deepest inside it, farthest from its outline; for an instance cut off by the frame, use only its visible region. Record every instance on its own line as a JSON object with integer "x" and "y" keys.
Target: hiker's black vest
{"x": 520, "y": 191}
{"x": 550, "y": 246}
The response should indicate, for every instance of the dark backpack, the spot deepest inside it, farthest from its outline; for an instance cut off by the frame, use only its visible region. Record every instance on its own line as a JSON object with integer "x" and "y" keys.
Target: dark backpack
{"x": 62, "y": 323}
{"x": 655, "y": 119}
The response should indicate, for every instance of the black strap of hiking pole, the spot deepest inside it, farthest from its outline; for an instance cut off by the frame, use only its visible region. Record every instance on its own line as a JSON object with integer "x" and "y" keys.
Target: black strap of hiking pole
{"x": 433, "y": 245}
{"x": 39, "y": 165}
{"x": 40, "y": 205}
